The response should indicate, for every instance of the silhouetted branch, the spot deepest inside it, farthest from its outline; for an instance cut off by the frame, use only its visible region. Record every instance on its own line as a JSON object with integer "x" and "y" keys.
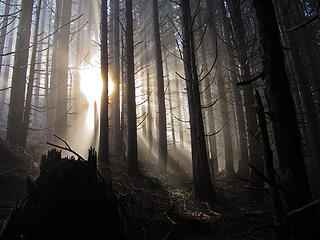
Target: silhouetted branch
{"x": 244, "y": 83}
{"x": 67, "y": 148}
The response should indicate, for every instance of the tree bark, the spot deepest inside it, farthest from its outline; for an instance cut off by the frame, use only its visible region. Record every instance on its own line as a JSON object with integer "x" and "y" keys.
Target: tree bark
{"x": 287, "y": 136}
{"x": 16, "y": 106}
{"x": 3, "y": 32}
{"x": 132, "y": 151}
{"x": 61, "y": 124}
{"x": 223, "y": 100}
{"x": 268, "y": 161}
{"x": 47, "y": 76}
{"x": 116, "y": 78}
{"x": 180, "y": 108}
{"x": 6, "y": 71}
{"x": 202, "y": 185}
{"x": 208, "y": 99}
{"x": 302, "y": 81}
{"x": 54, "y": 73}
{"x": 38, "y": 67}
{"x": 241, "y": 47}
{"x": 103, "y": 155}
{"x": 162, "y": 122}
{"x": 170, "y": 106}
{"x": 27, "y": 109}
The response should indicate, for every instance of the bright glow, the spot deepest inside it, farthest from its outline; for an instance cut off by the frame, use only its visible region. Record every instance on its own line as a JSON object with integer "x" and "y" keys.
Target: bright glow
{"x": 91, "y": 86}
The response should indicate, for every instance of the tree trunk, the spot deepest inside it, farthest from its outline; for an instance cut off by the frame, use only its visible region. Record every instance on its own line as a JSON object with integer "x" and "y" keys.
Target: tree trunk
{"x": 180, "y": 108}
{"x": 16, "y": 106}
{"x": 104, "y": 117}
{"x": 287, "y": 136}
{"x": 3, "y": 32}
{"x": 241, "y": 47}
{"x": 116, "y": 78}
{"x": 243, "y": 169}
{"x": 51, "y": 115}
{"x": 268, "y": 161}
{"x": 162, "y": 123}
{"x": 304, "y": 87}
{"x": 208, "y": 99}
{"x": 132, "y": 151}
{"x": 27, "y": 109}
{"x": 47, "y": 91}
{"x": 123, "y": 98}
{"x": 223, "y": 100}
{"x": 38, "y": 67}
{"x": 6, "y": 71}
{"x": 78, "y": 56}
{"x": 170, "y": 106}
{"x": 202, "y": 185}
{"x": 63, "y": 70}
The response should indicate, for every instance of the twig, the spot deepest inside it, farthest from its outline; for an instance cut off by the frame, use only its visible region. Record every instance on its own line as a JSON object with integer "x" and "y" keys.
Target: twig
{"x": 68, "y": 148}
{"x": 305, "y": 207}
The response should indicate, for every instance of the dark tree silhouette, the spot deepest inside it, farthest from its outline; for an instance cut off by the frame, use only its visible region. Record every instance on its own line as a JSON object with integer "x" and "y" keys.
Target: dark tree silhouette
{"x": 287, "y": 136}
{"x": 103, "y": 155}
{"x": 132, "y": 151}
{"x": 162, "y": 122}
{"x": 202, "y": 185}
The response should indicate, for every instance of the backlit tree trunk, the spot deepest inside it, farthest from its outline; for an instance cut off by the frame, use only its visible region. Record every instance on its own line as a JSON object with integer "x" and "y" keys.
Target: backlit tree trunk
{"x": 104, "y": 118}
{"x": 202, "y": 185}
{"x": 3, "y": 32}
{"x": 132, "y": 151}
{"x": 61, "y": 118}
{"x": 162, "y": 123}
{"x": 16, "y": 106}
{"x": 27, "y": 110}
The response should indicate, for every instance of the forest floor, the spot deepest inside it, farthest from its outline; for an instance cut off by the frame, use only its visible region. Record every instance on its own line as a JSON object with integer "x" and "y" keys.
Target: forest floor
{"x": 162, "y": 205}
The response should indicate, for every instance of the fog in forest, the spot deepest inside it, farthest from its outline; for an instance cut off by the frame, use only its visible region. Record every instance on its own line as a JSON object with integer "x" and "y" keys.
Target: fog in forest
{"x": 216, "y": 101}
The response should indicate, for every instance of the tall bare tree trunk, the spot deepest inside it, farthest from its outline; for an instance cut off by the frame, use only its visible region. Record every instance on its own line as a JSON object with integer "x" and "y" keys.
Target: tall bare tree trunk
{"x": 16, "y": 106}
{"x": 149, "y": 90}
{"x": 3, "y": 32}
{"x": 304, "y": 86}
{"x": 202, "y": 185}
{"x": 116, "y": 78}
{"x": 5, "y": 76}
{"x": 104, "y": 117}
{"x": 38, "y": 67}
{"x": 78, "y": 56}
{"x": 27, "y": 109}
{"x": 268, "y": 160}
{"x": 226, "y": 122}
{"x": 241, "y": 47}
{"x": 207, "y": 97}
{"x": 173, "y": 133}
{"x": 47, "y": 76}
{"x": 61, "y": 119}
{"x": 287, "y": 136}
{"x": 180, "y": 107}
{"x": 51, "y": 115}
{"x": 132, "y": 147}
{"x": 162, "y": 122}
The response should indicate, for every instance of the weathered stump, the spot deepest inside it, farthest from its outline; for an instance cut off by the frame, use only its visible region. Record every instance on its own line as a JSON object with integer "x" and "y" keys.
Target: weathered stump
{"x": 69, "y": 200}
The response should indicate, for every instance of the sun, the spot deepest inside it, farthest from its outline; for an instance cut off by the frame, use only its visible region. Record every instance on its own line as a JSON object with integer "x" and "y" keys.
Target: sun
{"x": 91, "y": 84}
